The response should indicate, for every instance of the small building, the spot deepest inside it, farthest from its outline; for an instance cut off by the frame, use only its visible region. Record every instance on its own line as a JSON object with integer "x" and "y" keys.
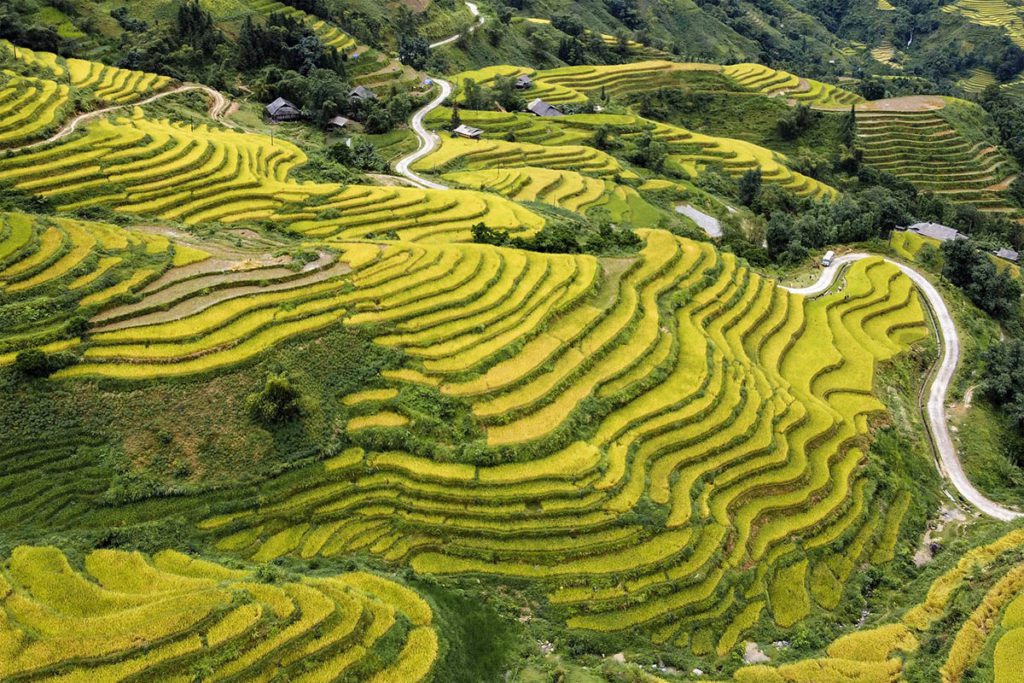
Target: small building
{"x": 282, "y": 110}
{"x": 361, "y": 92}
{"x": 1008, "y": 255}
{"x": 338, "y": 123}
{"x": 464, "y": 131}
{"x": 541, "y": 108}
{"x": 936, "y": 231}
{"x": 524, "y": 82}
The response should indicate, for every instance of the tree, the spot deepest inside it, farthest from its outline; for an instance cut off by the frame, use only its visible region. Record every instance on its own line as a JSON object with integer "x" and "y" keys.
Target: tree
{"x": 602, "y": 137}
{"x": 413, "y": 50}
{"x": 872, "y": 89}
{"x": 848, "y": 129}
{"x": 278, "y": 402}
{"x": 796, "y": 121}
{"x": 649, "y": 152}
{"x": 196, "y": 28}
{"x": 996, "y": 293}
{"x": 456, "y": 120}
{"x": 474, "y": 96}
{"x": 33, "y": 363}
{"x": 783, "y": 240}
{"x": 506, "y": 94}
{"x": 1003, "y": 381}
{"x": 750, "y": 186}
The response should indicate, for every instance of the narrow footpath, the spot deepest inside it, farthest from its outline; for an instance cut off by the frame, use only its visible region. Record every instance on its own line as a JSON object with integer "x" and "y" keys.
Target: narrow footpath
{"x": 219, "y": 106}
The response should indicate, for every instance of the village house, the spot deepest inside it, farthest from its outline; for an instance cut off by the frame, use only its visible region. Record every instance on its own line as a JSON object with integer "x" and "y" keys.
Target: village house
{"x": 363, "y": 93}
{"x": 338, "y": 123}
{"x": 282, "y": 110}
{"x": 464, "y": 131}
{"x": 541, "y": 108}
{"x": 936, "y": 231}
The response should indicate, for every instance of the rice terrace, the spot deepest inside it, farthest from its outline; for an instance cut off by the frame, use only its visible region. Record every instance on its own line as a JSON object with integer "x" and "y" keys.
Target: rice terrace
{"x": 605, "y": 341}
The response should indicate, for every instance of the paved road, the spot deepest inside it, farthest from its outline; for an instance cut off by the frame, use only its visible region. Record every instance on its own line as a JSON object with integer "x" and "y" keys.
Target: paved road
{"x": 218, "y": 109}
{"x": 428, "y": 140}
{"x": 709, "y": 224}
{"x": 949, "y": 463}
{"x": 475, "y": 11}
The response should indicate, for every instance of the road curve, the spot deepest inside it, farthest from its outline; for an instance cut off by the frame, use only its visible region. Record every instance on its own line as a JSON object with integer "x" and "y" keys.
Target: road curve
{"x": 428, "y": 140}
{"x": 949, "y": 463}
{"x": 218, "y": 109}
{"x": 475, "y": 11}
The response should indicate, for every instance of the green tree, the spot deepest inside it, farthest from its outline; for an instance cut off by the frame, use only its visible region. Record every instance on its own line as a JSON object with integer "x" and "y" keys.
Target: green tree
{"x": 33, "y": 363}
{"x": 277, "y": 403}
{"x": 750, "y": 186}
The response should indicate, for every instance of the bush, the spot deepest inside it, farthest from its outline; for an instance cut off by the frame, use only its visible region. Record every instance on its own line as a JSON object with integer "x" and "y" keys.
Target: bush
{"x": 279, "y": 402}
{"x": 38, "y": 363}
{"x": 33, "y": 363}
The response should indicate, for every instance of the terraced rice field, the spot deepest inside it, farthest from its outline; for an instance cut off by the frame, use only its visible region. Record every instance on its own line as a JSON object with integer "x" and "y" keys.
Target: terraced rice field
{"x": 879, "y": 653}
{"x": 165, "y": 169}
{"x": 679, "y": 378}
{"x": 107, "y": 84}
{"x": 885, "y": 53}
{"x": 328, "y": 33}
{"x": 565, "y": 189}
{"x": 633, "y": 47}
{"x": 979, "y": 79}
{"x": 113, "y": 85}
{"x": 47, "y": 64}
{"x": 86, "y": 264}
{"x": 475, "y": 155}
{"x": 366, "y": 66}
{"x": 925, "y": 149}
{"x": 197, "y": 174}
{"x": 184, "y": 327}
{"x": 998, "y": 13}
{"x": 29, "y": 107}
{"x": 573, "y": 83}
{"x": 689, "y": 152}
{"x": 772, "y": 83}
{"x": 125, "y": 616}
{"x": 358, "y": 212}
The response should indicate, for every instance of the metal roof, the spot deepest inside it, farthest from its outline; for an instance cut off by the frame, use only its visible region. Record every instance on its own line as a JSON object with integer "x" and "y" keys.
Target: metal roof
{"x": 280, "y": 103}
{"x": 936, "y": 231}
{"x": 542, "y": 108}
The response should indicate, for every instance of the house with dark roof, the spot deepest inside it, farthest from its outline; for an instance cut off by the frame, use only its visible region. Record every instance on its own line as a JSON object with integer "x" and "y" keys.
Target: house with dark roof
{"x": 470, "y": 132}
{"x": 361, "y": 92}
{"x": 282, "y": 110}
{"x": 936, "y": 231}
{"x": 541, "y": 108}
{"x": 524, "y": 82}
{"x": 1008, "y": 255}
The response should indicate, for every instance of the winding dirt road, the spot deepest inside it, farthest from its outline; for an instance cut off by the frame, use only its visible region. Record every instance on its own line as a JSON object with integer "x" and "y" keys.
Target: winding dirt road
{"x": 219, "y": 106}
{"x": 948, "y": 462}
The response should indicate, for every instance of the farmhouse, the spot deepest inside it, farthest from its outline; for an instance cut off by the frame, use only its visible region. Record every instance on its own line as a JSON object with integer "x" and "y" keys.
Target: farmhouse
{"x": 361, "y": 92}
{"x": 524, "y": 82}
{"x": 282, "y": 110}
{"x": 542, "y": 108}
{"x": 338, "y": 123}
{"x": 470, "y": 132}
{"x": 1008, "y": 255}
{"x": 936, "y": 231}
